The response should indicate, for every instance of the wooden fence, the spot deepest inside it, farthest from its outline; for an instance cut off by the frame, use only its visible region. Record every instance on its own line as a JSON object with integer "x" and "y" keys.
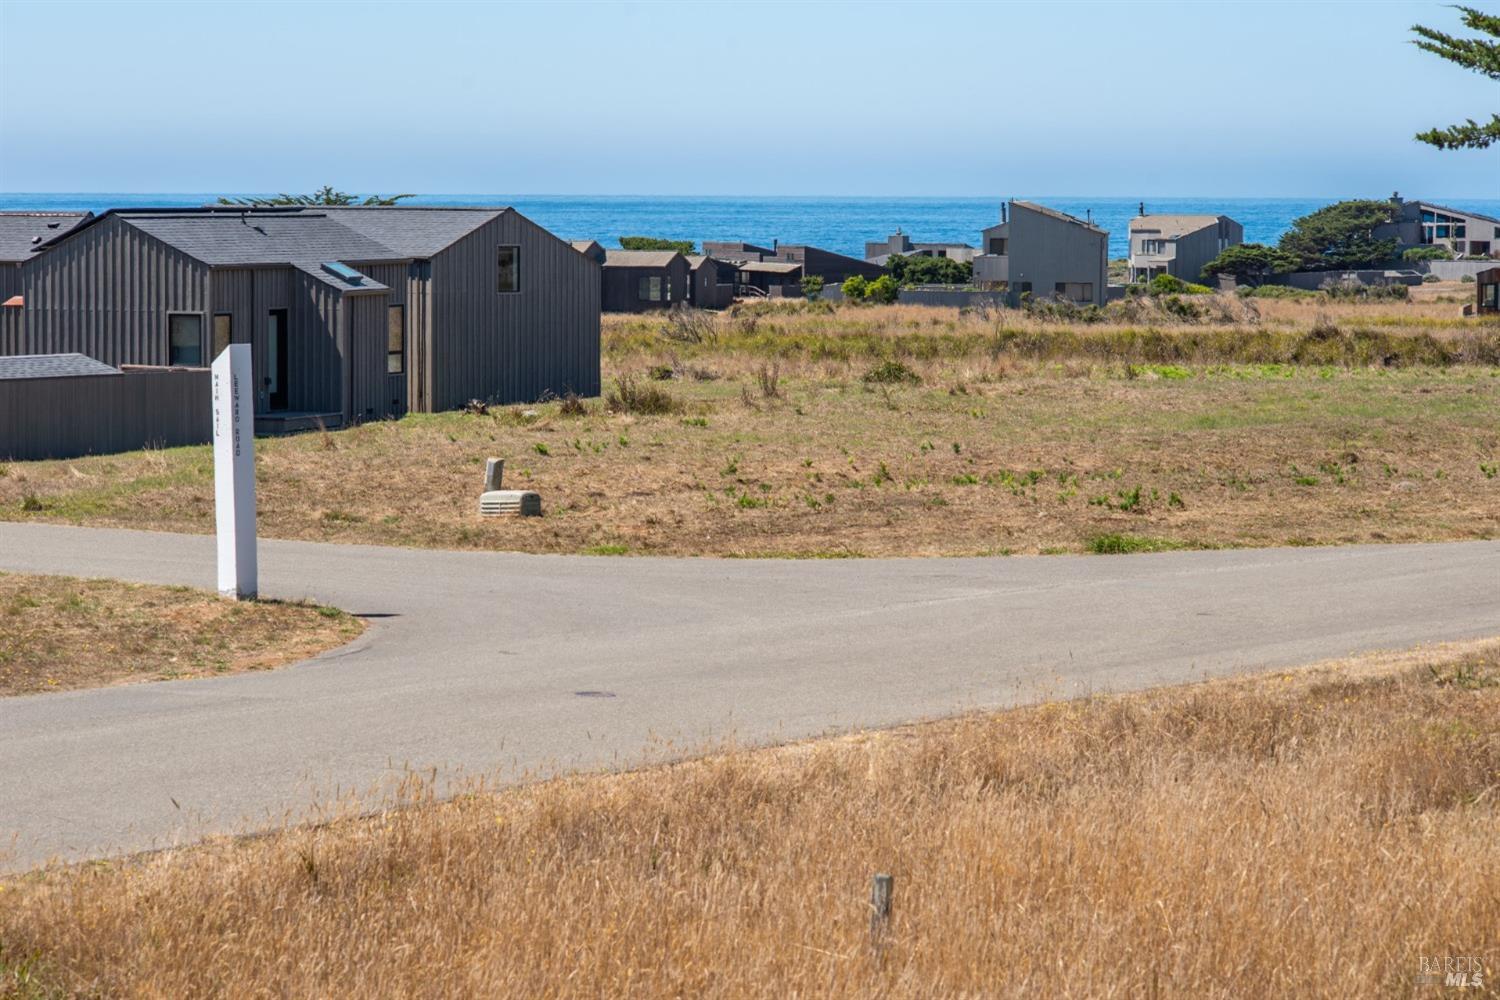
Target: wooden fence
{"x": 102, "y": 414}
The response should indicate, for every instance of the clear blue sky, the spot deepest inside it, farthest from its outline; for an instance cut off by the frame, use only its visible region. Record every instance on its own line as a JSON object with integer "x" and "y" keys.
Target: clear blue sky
{"x": 1150, "y": 99}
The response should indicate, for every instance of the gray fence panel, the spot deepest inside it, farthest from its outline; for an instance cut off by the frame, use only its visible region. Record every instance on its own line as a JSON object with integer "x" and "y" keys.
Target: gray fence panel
{"x": 103, "y": 414}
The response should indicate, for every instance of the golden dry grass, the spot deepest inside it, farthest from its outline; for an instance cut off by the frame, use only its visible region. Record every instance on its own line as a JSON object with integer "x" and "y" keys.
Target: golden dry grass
{"x": 58, "y": 632}
{"x": 1296, "y": 423}
{"x": 1313, "y": 833}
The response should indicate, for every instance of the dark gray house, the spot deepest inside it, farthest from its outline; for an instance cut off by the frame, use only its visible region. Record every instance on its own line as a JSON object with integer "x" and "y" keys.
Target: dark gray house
{"x": 712, "y": 282}
{"x": 642, "y": 280}
{"x": 354, "y": 313}
{"x": 1425, "y": 224}
{"x": 20, "y": 235}
{"x": 736, "y": 252}
{"x": 833, "y": 268}
{"x": 775, "y": 278}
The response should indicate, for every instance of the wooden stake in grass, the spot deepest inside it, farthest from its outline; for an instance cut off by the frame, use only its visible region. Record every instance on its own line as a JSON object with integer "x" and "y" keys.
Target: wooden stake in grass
{"x": 881, "y": 887}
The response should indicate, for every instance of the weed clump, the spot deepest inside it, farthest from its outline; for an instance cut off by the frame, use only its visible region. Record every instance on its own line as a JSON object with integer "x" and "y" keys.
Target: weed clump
{"x": 892, "y": 372}
{"x": 633, "y": 396}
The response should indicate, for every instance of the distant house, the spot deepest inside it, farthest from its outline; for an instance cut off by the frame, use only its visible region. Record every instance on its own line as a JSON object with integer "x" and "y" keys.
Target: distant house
{"x": 1422, "y": 223}
{"x": 21, "y": 235}
{"x": 774, "y": 278}
{"x": 737, "y": 252}
{"x": 833, "y": 268}
{"x": 1179, "y": 245}
{"x": 899, "y": 244}
{"x": 353, "y": 313}
{"x": 1044, "y": 252}
{"x": 590, "y": 249}
{"x": 711, "y": 282}
{"x": 642, "y": 280}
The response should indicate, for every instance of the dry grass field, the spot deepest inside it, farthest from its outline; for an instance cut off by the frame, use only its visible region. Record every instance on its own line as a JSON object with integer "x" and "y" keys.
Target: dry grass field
{"x": 59, "y": 632}
{"x": 1313, "y": 833}
{"x": 808, "y": 430}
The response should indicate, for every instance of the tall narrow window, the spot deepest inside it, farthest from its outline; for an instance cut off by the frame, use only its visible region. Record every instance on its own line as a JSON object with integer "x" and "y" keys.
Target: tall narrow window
{"x": 222, "y": 337}
{"x": 185, "y": 339}
{"x": 508, "y": 273}
{"x": 650, "y": 290}
{"x": 395, "y": 340}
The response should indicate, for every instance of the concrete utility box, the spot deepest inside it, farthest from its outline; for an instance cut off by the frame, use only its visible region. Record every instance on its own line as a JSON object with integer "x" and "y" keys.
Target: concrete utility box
{"x": 495, "y": 502}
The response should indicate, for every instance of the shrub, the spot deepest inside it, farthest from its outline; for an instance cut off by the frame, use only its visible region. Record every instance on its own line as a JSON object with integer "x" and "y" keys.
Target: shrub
{"x": 812, "y": 287}
{"x": 882, "y": 290}
{"x": 1429, "y": 279}
{"x": 854, "y": 287}
{"x": 632, "y": 396}
{"x": 686, "y": 325}
{"x": 654, "y": 243}
{"x": 572, "y": 406}
{"x": 1467, "y": 279}
{"x": 1415, "y": 254}
{"x": 1167, "y": 284}
{"x": 892, "y": 372}
{"x": 930, "y": 271}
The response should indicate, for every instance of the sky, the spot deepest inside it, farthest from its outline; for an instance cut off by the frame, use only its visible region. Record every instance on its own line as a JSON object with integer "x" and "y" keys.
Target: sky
{"x": 1265, "y": 99}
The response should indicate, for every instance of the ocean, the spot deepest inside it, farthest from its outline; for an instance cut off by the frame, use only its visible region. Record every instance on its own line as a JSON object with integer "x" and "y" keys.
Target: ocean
{"x": 839, "y": 224}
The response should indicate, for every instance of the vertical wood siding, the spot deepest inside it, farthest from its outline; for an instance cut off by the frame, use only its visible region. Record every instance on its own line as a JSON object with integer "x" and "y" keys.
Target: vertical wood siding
{"x": 102, "y": 414}
{"x": 512, "y": 347}
{"x": 106, "y": 293}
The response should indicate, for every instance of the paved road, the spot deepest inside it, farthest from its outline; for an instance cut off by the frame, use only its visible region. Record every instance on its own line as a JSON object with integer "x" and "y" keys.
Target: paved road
{"x": 474, "y": 662}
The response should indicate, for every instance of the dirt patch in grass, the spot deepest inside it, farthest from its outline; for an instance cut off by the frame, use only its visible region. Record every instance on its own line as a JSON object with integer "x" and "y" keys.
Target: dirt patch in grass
{"x": 1223, "y": 839}
{"x": 59, "y": 632}
{"x": 764, "y": 434}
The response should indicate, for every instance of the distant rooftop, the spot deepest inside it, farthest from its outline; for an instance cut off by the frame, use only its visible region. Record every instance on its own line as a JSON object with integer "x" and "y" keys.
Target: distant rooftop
{"x": 639, "y": 258}
{"x": 1061, "y": 216}
{"x": 1173, "y": 225}
{"x": 52, "y": 366}
{"x": 22, "y": 232}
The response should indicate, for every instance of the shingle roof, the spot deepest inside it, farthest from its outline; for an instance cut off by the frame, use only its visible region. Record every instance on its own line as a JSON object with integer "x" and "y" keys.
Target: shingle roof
{"x": 414, "y": 230}
{"x": 52, "y": 366}
{"x": 639, "y": 258}
{"x": 1173, "y": 225}
{"x": 229, "y": 239}
{"x": 22, "y": 232}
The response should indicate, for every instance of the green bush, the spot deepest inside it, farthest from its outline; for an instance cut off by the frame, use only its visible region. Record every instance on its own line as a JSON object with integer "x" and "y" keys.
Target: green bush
{"x": 930, "y": 271}
{"x": 1167, "y": 284}
{"x": 631, "y": 396}
{"x": 854, "y": 287}
{"x": 1430, "y": 279}
{"x": 1467, "y": 279}
{"x": 1278, "y": 292}
{"x": 891, "y": 372}
{"x": 812, "y": 287}
{"x": 1427, "y": 253}
{"x": 653, "y": 243}
{"x": 882, "y": 290}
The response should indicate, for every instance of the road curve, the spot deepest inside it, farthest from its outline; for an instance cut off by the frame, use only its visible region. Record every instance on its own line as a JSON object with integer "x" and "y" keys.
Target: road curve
{"x": 475, "y": 661}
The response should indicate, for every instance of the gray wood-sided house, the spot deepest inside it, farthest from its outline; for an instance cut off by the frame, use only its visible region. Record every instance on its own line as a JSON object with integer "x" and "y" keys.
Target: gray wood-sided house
{"x": 643, "y": 280}
{"x": 21, "y": 233}
{"x": 354, "y": 313}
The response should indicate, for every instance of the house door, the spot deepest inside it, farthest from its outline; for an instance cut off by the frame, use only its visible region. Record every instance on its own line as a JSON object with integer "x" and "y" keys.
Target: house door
{"x": 274, "y": 380}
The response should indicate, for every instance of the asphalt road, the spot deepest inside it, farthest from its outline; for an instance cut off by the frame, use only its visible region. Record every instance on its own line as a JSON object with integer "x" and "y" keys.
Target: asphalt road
{"x": 509, "y": 665}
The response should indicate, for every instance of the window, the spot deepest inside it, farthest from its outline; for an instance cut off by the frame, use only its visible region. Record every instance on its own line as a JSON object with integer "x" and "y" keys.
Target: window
{"x": 1024, "y": 287}
{"x": 185, "y": 339}
{"x": 508, "y": 271}
{"x": 650, "y": 290}
{"x": 395, "y": 340}
{"x": 222, "y": 338}
{"x": 997, "y": 245}
{"x": 1149, "y": 247}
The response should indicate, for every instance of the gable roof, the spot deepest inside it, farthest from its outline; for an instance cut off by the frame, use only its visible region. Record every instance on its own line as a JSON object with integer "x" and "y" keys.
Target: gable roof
{"x": 416, "y": 231}
{"x": 230, "y": 239}
{"x": 770, "y": 266}
{"x": 639, "y": 258}
{"x": 1173, "y": 225}
{"x": 21, "y": 233}
{"x": 52, "y": 366}
{"x": 1060, "y": 216}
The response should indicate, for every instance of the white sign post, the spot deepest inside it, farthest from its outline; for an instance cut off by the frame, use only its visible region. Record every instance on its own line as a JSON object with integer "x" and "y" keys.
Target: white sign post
{"x": 234, "y": 471}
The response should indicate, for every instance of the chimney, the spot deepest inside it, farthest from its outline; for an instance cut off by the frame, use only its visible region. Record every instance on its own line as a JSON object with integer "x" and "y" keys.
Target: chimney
{"x": 1003, "y": 213}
